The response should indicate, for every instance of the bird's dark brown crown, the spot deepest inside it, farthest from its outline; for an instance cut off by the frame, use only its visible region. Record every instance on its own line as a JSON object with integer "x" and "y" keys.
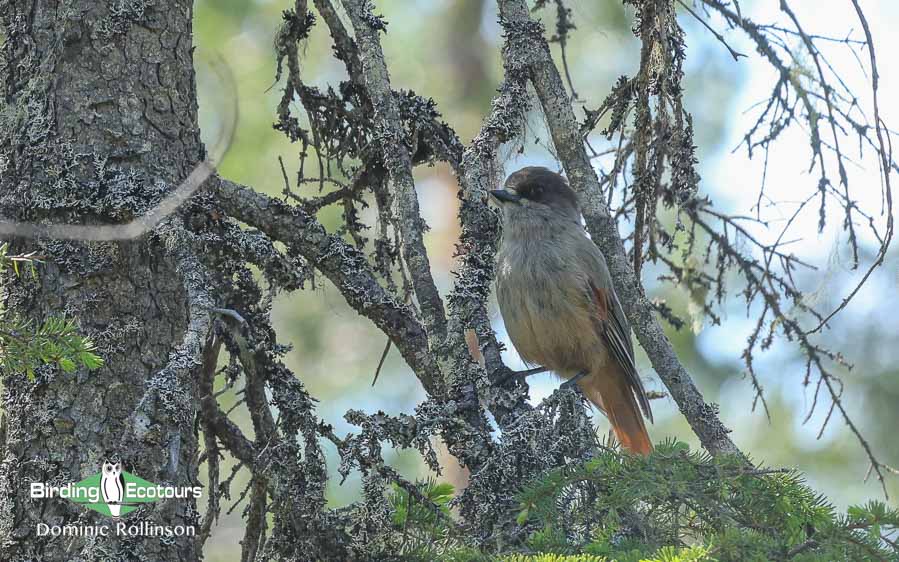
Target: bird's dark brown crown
{"x": 542, "y": 185}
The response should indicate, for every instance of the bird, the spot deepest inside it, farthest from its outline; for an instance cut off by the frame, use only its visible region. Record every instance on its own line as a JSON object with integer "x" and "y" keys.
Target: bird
{"x": 558, "y": 303}
{"x": 112, "y": 484}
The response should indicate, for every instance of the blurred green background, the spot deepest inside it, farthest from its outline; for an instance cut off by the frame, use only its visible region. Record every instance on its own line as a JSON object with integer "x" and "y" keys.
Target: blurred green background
{"x": 449, "y": 50}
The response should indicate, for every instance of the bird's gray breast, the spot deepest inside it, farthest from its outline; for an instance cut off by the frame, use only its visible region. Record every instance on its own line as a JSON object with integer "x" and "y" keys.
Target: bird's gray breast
{"x": 540, "y": 289}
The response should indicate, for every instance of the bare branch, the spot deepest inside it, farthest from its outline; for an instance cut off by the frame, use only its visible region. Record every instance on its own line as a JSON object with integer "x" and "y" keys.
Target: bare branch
{"x": 399, "y": 165}
{"x": 887, "y": 166}
{"x": 344, "y": 265}
{"x": 480, "y": 172}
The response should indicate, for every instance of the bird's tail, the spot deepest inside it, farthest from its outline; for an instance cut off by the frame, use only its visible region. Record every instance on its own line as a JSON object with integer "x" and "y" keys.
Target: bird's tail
{"x": 611, "y": 393}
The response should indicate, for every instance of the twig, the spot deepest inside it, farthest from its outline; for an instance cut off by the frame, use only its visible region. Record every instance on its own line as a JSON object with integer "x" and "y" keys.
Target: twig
{"x": 736, "y": 55}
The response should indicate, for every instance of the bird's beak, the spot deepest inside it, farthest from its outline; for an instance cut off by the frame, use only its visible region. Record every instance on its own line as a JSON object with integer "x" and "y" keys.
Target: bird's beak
{"x": 505, "y": 196}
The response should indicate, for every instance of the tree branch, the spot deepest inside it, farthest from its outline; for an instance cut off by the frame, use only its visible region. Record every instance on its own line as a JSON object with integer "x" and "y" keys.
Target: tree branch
{"x": 343, "y": 265}
{"x": 398, "y": 162}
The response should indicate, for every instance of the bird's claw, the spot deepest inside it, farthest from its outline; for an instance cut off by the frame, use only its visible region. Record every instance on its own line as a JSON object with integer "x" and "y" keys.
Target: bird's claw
{"x": 509, "y": 375}
{"x": 570, "y": 383}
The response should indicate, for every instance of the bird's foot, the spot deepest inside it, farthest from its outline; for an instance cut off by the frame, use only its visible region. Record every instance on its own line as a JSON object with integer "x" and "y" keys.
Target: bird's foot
{"x": 511, "y": 375}
{"x": 569, "y": 384}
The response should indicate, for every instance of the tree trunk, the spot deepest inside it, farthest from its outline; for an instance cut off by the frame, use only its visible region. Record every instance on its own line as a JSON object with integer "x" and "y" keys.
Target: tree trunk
{"x": 98, "y": 120}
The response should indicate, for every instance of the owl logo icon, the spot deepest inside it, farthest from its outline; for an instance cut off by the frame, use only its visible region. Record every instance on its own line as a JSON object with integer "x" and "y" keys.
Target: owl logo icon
{"x": 112, "y": 485}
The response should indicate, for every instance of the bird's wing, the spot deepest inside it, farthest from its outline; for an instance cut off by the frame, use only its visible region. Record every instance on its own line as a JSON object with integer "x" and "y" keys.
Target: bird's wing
{"x": 616, "y": 333}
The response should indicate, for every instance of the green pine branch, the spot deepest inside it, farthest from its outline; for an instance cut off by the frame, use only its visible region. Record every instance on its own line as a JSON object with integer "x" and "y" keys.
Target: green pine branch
{"x": 25, "y": 346}
{"x": 675, "y": 505}
{"x": 665, "y": 506}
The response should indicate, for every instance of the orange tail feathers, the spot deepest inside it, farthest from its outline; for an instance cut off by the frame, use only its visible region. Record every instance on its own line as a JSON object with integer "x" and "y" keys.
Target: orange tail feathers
{"x": 609, "y": 391}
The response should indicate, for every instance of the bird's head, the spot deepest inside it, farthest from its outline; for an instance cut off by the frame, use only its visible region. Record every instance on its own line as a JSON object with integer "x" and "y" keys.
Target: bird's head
{"x": 536, "y": 191}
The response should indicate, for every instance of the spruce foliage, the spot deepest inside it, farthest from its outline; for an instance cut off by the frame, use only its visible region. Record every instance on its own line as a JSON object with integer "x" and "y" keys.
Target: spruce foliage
{"x": 25, "y": 346}
{"x": 675, "y": 505}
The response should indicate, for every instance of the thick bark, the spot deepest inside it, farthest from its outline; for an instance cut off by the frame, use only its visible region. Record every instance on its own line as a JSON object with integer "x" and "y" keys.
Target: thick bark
{"x": 99, "y": 120}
